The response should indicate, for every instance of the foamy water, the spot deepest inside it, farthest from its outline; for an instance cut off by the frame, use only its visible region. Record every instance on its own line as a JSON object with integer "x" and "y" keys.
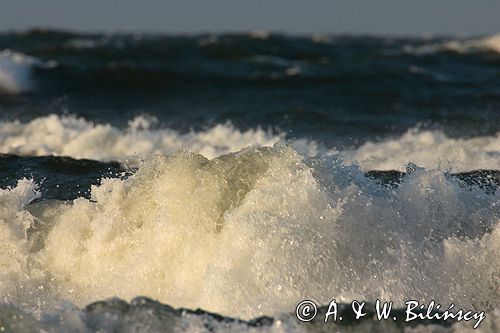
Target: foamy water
{"x": 267, "y": 226}
{"x": 489, "y": 43}
{"x": 472, "y": 45}
{"x": 429, "y": 149}
{"x": 16, "y": 71}
{"x": 79, "y": 138}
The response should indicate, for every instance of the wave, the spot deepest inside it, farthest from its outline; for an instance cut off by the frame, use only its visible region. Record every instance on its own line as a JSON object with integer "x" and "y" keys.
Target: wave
{"x": 16, "y": 71}
{"x": 429, "y": 149}
{"x": 489, "y": 43}
{"x": 267, "y": 226}
{"x": 153, "y": 63}
{"x": 78, "y": 138}
{"x": 463, "y": 46}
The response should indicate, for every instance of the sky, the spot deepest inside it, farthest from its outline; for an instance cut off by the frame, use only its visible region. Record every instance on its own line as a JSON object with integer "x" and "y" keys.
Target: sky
{"x": 400, "y": 17}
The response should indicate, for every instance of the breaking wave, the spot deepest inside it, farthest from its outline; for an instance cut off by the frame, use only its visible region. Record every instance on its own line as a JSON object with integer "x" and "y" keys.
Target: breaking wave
{"x": 79, "y": 138}
{"x": 16, "y": 71}
{"x": 429, "y": 149}
{"x": 473, "y": 45}
{"x": 489, "y": 43}
{"x": 267, "y": 226}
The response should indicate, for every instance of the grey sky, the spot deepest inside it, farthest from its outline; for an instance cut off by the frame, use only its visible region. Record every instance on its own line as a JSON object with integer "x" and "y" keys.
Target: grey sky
{"x": 460, "y": 17}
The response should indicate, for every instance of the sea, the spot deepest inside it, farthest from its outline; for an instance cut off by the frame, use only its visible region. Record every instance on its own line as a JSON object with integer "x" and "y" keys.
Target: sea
{"x": 212, "y": 182}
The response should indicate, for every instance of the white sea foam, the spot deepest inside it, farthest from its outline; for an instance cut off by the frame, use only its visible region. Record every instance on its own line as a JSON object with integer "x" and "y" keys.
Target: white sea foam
{"x": 474, "y": 45}
{"x": 489, "y": 43}
{"x": 430, "y": 149}
{"x": 79, "y": 138}
{"x": 16, "y": 71}
{"x": 253, "y": 233}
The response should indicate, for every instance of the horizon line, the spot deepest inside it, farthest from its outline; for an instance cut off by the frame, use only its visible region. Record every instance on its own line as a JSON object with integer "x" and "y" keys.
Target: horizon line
{"x": 202, "y": 32}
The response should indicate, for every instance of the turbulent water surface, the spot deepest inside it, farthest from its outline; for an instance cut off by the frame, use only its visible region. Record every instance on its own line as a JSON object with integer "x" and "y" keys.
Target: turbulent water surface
{"x": 243, "y": 173}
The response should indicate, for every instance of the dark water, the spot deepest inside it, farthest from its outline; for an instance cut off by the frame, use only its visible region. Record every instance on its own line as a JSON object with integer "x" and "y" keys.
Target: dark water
{"x": 61, "y": 178}
{"x": 339, "y": 89}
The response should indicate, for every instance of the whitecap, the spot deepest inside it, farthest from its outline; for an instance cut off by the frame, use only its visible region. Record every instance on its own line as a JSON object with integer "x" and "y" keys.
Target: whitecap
{"x": 16, "y": 71}
{"x": 268, "y": 227}
{"x": 472, "y": 45}
{"x": 430, "y": 149}
{"x": 79, "y": 138}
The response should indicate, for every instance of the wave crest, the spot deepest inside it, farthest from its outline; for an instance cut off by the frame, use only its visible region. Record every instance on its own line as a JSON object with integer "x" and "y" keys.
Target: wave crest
{"x": 16, "y": 70}
{"x": 267, "y": 226}
{"x": 429, "y": 149}
{"x": 489, "y": 43}
{"x": 462, "y": 46}
{"x": 79, "y": 138}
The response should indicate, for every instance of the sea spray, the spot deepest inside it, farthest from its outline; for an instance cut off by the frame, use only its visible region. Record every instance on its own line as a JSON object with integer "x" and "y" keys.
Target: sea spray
{"x": 267, "y": 226}
{"x": 16, "y": 71}
{"x": 78, "y": 138}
